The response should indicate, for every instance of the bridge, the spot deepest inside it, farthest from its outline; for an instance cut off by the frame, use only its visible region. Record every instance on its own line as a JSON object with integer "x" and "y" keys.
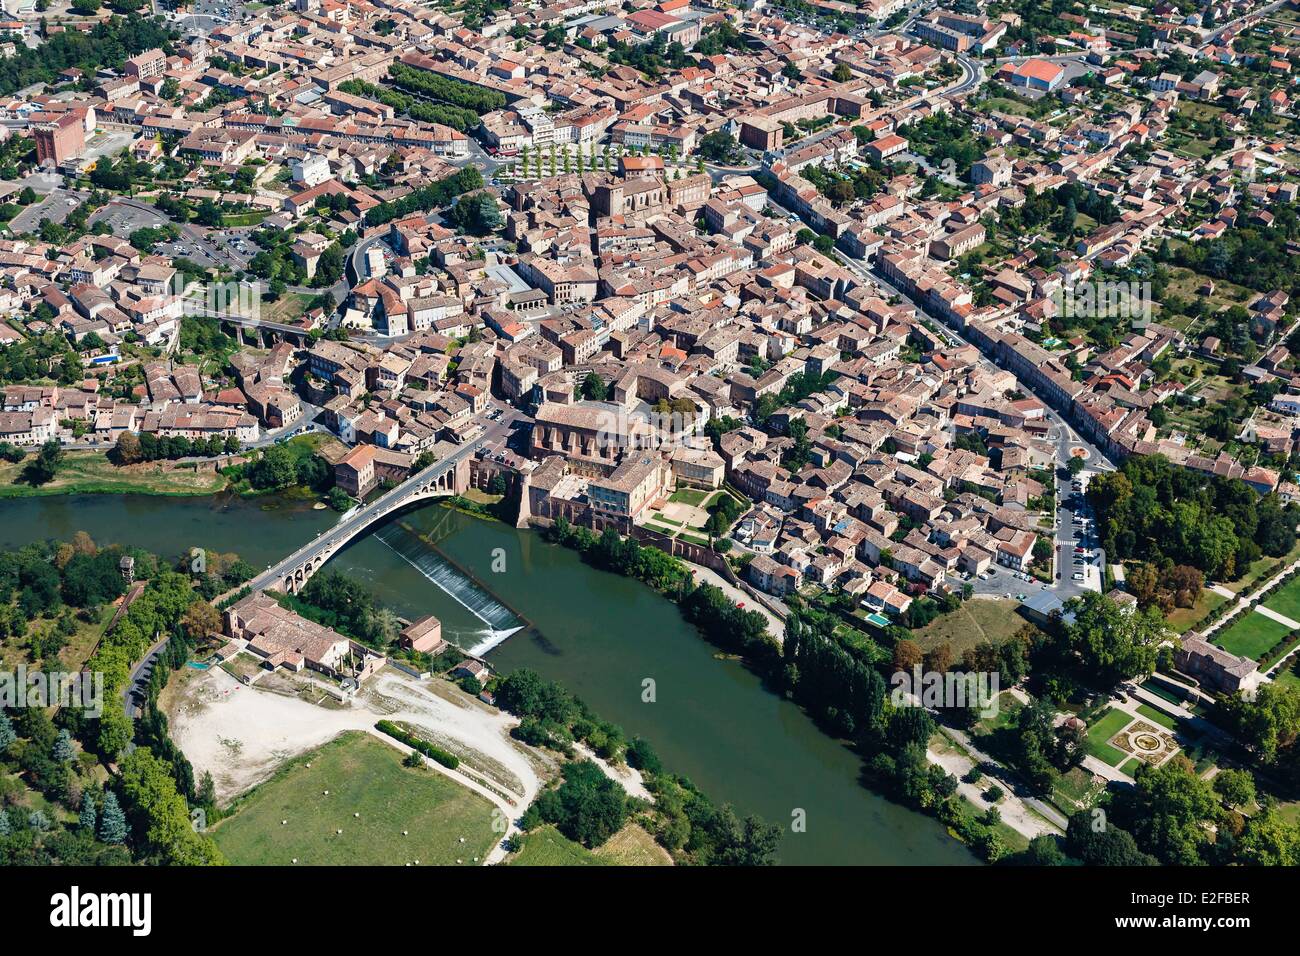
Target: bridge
{"x": 449, "y": 476}
{"x": 260, "y": 327}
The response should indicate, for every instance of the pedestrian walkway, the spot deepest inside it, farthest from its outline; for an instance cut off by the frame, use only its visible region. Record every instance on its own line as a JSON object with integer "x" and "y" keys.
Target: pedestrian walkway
{"x": 1280, "y": 618}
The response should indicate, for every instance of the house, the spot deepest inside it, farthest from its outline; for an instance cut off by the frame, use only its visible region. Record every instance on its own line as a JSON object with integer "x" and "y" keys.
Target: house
{"x": 283, "y": 639}
{"x": 423, "y": 635}
{"x": 1214, "y": 666}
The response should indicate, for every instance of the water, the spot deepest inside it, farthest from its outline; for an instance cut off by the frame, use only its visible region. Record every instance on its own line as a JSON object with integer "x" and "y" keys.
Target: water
{"x": 600, "y": 635}
{"x": 499, "y": 622}
{"x": 260, "y": 530}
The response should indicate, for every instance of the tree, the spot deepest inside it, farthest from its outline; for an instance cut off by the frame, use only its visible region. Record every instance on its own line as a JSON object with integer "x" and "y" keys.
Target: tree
{"x": 112, "y": 821}
{"x": 1236, "y": 787}
{"x": 1268, "y": 839}
{"x": 477, "y": 213}
{"x": 1075, "y": 465}
{"x": 160, "y": 814}
{"x": 1170, "y": 808}
{"x": 43, "y": 468}
{"x": 907, "y": 655}
{"x": 329, "y": 267}
{"x": 718, "y": 147}
{"x": 1104, "y": 844}
{"x": 63, "y": 751}
{"x": 115, "y": 732}
{"x": 587, "y": 807}
{"x": 842, "y": 73}
{"x": 200, "y": 620}
{"x": 7, "y": 735}
{"x": 274, "y": 469}
{"x": 1108, "y": 644}
{"x": 750, "y": 842}
{"x": 87, "y": 818}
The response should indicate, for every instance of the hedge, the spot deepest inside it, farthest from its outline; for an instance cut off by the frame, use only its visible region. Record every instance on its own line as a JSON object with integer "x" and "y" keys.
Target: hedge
{"x": 450, "y": 761}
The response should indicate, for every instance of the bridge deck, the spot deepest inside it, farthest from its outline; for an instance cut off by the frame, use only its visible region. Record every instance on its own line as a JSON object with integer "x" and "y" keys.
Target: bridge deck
{"x": 420, "y": 486}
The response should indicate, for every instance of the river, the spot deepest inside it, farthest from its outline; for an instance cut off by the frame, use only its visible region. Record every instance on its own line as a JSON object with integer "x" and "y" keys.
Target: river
{"x": 526, "y": 603}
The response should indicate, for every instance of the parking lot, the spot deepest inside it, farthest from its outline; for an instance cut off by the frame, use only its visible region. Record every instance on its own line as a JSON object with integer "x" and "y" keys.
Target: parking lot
{"x": 1079, "y": 559}
{"x": 55, "y": 207}
{"x": 124, "y": 220}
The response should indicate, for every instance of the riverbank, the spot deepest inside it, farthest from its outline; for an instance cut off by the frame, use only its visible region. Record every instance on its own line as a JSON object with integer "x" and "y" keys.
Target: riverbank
{"x": 88, "y": 472}
{"x": 597, "y": 634}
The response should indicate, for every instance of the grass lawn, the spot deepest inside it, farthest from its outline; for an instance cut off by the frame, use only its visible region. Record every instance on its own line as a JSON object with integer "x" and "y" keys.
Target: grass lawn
{"x": 1257, "y": 568}
{"x": 1251, "y": 635}
{"x": 1160, "y": 717}
{"x": 1287, "y": 600}
{"x": 690, "y": 496}
{"x": 547, "y": 846}
{"x": 1131, "y": 767}
{"x": 1008, "y": 710}
{"x": 633, "y": 846}
{"x": 365, "y": 776}
{"x": 1288, "y": 674}
{"x": 1076, "y": 789}
{"x": 1181, "y": 618}
{"x": 1111, "y": 723}
{"x": 630, "y": 846}
{"x": 288, "y": 307}
{"x": 90, "y": 472}
{"x": 976, "y": 621}
{"x": 1012, "y": 839}
{"x": 1200, "y": 753}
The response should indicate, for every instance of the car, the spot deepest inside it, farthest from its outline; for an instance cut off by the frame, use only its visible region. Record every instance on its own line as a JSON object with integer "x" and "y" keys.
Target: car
{"x": 1078, "y": 575}
{"x": 1007, "y": 595}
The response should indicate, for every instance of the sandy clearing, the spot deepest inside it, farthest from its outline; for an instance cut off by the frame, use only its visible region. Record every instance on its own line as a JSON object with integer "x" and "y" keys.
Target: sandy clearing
{"x": 241, "y": 734}
{"x": 627, "y": 777}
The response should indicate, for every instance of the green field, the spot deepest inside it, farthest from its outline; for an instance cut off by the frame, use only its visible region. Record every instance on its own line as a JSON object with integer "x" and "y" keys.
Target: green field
{"x": 1075, "y": 789}
{"x": 547, "y": 846}
{"x": 976, "y": 621}
{"x": 1181, "y": 618}
{"x": 1110, "y": 723}
{"x": 1288, "y": 675}
{"x": 363, "y": 776}
{"x": 90, "y": 472}
{"x": 1251, "y": 635}
{"x": 1158, "y": 716}
{"x": 1286, "y": 600}
{"x": 689, "y": 496}
{"x": 630, "y": 846}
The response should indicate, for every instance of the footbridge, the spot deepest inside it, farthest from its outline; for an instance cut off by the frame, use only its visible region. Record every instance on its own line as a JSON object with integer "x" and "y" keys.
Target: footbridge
{"x": 448, "y": 476}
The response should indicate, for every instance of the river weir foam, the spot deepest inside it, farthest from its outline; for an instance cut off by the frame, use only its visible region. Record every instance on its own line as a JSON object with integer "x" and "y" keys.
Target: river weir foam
{"x": 499, "y": 622}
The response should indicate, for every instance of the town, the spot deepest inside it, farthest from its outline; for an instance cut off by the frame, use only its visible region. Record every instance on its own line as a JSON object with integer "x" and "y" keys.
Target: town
{"x": 893, "y": 342}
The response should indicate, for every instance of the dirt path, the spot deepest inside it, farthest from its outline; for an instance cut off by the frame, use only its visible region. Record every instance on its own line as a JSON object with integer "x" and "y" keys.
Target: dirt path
{"x": 1014, "y": 813}
{"x": 628, "y": 778}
